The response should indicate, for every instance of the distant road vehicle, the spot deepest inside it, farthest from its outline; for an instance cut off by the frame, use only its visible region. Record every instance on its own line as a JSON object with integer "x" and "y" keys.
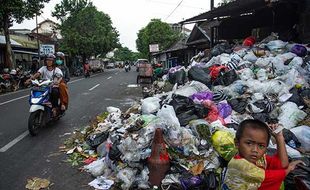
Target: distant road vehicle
{"x": 96, "y": 65}
{"x": 110, "y": 65}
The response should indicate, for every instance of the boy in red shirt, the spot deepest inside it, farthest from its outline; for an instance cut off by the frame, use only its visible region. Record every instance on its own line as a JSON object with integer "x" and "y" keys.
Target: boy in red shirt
{"x": 251, "y": 168}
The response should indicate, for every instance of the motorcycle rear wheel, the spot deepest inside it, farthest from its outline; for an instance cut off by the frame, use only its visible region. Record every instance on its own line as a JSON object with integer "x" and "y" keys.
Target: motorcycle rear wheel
{"x": 34, "y": 122}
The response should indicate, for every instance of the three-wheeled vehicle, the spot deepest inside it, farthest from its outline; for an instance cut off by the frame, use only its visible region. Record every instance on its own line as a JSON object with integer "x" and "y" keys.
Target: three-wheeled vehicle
{"x": 145, "y": 71}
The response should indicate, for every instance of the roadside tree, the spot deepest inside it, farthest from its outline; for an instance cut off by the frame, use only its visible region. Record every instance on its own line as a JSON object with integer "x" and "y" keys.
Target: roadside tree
{"x": 156, "y": 32}
{"x": 16, "y": 10}
{"x": 88, "y": 32}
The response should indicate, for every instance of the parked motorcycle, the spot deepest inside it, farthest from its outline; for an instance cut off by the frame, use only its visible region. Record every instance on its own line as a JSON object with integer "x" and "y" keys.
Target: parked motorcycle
{"x": 40, "y": 106}
{"x": 5, "y": 83}
{"x": 23, "y": 78}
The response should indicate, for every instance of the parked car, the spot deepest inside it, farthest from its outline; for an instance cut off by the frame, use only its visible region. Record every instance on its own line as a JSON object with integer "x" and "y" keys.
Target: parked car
{"x": 111, "y": 65}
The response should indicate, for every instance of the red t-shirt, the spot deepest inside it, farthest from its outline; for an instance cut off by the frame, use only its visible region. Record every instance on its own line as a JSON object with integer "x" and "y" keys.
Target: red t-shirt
{"x": 274, "y": 174}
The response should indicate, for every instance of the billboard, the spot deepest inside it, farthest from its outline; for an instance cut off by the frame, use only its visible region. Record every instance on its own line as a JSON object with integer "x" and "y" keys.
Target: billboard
{"x": 46, "y": 49}
{"x": 154, "y": 48}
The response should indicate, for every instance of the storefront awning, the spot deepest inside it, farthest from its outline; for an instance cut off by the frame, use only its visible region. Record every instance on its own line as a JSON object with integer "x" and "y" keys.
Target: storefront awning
{"x": 25, "y": 52}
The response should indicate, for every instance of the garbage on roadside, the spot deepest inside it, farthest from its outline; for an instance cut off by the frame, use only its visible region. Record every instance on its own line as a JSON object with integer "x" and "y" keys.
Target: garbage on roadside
{"x": 182, "y": 137}
{"x": 36, "y": 183}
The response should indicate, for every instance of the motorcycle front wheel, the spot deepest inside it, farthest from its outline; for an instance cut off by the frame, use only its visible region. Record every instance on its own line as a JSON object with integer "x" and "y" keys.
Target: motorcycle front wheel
{"x": 34, "y": 122}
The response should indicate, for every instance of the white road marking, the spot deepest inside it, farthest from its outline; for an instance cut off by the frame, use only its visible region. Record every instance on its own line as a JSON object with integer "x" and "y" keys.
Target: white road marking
{"x": 2, "y": 103}
{"x": 132, "y": 85}
{"x": 13, "y": 142}
{"x": 94, "y": 87}
{"x": 109, "y": 77}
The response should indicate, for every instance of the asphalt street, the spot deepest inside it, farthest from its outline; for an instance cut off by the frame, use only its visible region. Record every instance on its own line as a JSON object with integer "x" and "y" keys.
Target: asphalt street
{"x": 23, "y": 156}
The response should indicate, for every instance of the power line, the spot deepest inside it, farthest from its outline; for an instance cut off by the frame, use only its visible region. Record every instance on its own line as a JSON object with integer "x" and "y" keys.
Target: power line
{"x": 174, "y": 10}
{"x": 183, "y": 5}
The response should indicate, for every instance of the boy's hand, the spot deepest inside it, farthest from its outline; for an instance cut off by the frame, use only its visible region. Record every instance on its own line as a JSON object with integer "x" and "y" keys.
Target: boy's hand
{"x": 274, "y": 127}
{"x": 292, "y": 166}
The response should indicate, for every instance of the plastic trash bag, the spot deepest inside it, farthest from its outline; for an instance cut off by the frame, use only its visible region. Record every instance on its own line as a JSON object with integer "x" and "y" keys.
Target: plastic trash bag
{"x": 127, "y": 176}
{"x": 290, "y": 139}
{"x": 261, "y": 75}
{"x": 299, "y": 50}
{"x": 181, "y": 103}
{"x": 96, "y": 168}
{"x": 251, "y": 57}
{"x": 224, "y": 109}
{"x": 246, "y": 74}
{"x": 191, "y": 88}
{"x": 198, "y": 74}
{"x": 238, "y": 104}
{"x": 150, "y": 105}
{"x": 303, "y": 135}
{"x": 167, "y": 113}
{"x": 200, "y": 128}
{"x": 95, "y": 140}
{"x": 276, "y": 45}
{"x": 177, "y": 75}
{"x": 290, "y": 115}
{"x": 223, "y": 142}
{"x": 200, "y": 96}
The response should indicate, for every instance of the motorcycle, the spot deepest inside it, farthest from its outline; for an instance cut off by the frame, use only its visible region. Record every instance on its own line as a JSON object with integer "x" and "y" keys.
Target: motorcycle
{"x": 23, "y": 78}
{"x": 40, "y": 106}
{"x": 5, "y": 83}
{"x": 127, "y": 68}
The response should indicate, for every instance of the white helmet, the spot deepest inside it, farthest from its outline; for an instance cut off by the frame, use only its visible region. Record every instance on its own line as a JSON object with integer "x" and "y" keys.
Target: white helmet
{"x": 13, "y": 72}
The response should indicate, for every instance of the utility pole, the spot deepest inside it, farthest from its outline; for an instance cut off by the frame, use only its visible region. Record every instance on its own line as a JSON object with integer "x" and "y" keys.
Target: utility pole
{"x": 38, "y": 42}
{"x": 212, "y": 28}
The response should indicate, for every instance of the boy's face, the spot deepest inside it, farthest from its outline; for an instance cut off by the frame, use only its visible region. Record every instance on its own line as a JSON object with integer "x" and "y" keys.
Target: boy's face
{"x": 252, "y": 144}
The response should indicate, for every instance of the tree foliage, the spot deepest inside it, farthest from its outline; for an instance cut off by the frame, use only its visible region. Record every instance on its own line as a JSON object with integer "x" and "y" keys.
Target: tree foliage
{"x": 88, "y": 32}
{"x": 17, "y": 10}
{"x": 156, "y": 32}
{"x": 69, "y": 7}
{"x": 124, "y": 54}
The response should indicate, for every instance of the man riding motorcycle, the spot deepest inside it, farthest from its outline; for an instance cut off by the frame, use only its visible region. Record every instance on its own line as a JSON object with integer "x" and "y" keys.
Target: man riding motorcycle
{"x": 50, "y": 72}
{"x": 63, "y": 88}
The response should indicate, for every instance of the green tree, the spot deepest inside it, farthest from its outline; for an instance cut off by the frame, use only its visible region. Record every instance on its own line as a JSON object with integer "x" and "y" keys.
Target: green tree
{"x": 88, "y": 32}
{"x": 124, "y": 54}
{"x": 16, "y": 10}
{"x": 69, "y": 7}
{"x": 156, "y": 32}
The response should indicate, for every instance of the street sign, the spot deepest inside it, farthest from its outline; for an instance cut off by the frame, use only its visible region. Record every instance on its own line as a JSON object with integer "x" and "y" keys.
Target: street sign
{"x": 46, "y": 49}
{"x": 154, "y": 48}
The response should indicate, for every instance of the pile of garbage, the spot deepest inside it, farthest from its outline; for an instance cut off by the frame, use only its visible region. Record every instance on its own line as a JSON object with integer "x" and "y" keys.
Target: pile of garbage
{"x": 181, "y": 136}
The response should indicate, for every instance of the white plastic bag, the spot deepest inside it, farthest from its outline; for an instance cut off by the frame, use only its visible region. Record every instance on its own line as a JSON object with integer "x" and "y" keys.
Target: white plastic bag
{"x": 303, "y": 135}
{"x": 191, "y": 88}
{"x": 246, "y": 74}
{"x": 262, "y": 75}
{"x": 96, "y": 168}
{"x": 290, "y": 115}
{"x": 167, "y": 114}
{"x": 276, "y": 44}
{"x": 250, "y": 56}
{"x": 150, "y": 105}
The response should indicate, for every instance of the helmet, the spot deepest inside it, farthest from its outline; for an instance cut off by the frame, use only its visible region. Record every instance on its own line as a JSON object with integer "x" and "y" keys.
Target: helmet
{"x": 6, "y": 70}
{"x": 13, "y": 72}
{"x": 50, "y": 56}
{"x": 60, "y": 54}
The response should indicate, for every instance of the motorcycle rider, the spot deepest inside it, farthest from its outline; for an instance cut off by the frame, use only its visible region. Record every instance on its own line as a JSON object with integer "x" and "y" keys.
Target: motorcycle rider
{"x": 50, "y": 72}
{"x": 63, "y": 87}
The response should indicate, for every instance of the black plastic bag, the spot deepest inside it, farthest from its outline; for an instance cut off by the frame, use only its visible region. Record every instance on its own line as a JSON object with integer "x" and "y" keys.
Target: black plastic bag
{"x": 198, "y": 74}
{"x": 296, "y": 97}
{"x": 299, "y": 179}
{"x": 177, "y": 77}
{"x": 181, "y": 104}
{"x": 226, "y": 78}
{"x": 290, "y": 139}
{"x": 186, "y": 117}
{"x": 95, "y": 140}
{"x": 114, "y": 153}
{"x": 238, "y": 105}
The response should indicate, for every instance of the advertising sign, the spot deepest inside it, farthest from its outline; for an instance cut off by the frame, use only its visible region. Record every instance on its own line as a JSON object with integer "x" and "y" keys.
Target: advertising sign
{"x": 46, "y": 49}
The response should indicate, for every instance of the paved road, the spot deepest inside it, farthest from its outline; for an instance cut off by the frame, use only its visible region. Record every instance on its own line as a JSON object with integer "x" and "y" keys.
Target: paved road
{"x": 23, "y": 156}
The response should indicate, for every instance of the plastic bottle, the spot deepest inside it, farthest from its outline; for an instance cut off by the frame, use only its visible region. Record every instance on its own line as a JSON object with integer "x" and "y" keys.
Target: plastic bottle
{"x": 158, "y": 163}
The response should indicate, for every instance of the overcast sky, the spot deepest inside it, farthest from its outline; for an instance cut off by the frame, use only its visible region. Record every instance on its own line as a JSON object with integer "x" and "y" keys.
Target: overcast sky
{"x": 129, "y": 16}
